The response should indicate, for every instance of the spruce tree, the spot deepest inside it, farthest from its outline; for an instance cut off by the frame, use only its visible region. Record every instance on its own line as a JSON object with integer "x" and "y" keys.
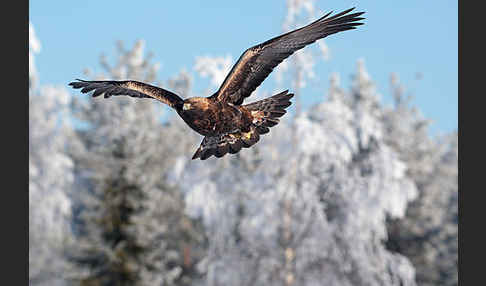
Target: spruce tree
{"x": 428, "y": 234}
{"x": 131, "y": 229}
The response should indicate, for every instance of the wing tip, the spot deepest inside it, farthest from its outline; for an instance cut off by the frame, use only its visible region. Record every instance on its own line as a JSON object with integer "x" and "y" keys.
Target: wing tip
{"x": 287, "y": 94}
{"x": 75, "y": 84}
{"x": 343, "y": 13}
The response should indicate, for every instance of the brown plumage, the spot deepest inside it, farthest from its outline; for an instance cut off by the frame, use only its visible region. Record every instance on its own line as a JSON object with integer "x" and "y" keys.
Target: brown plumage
{"x": 226, "y": 124}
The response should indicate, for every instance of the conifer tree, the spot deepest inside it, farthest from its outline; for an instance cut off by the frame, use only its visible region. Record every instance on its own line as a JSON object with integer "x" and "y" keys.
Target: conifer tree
{"x": 131, "y": 226}
{"x": 318, "y": 222}
{"x": 428, "y": 234}
{"x": 50, "y": 177}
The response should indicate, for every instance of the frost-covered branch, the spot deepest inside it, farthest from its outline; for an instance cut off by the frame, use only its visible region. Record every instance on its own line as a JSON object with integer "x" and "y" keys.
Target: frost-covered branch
{"x": 215, "y": 68}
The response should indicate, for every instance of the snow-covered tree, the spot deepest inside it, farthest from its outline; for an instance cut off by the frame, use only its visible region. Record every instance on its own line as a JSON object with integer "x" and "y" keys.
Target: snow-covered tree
{"x": 308, "y": 213}
{"x": 215, "y": 68}
{"x": 131, "y": 226}
{"x": 428, "y": 234}
{"x": 50, "y": 177}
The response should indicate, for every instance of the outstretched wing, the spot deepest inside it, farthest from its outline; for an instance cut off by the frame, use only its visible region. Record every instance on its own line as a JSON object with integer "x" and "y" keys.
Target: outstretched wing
{"x": 128, "y": 87}
{"x": 256, "y": 63}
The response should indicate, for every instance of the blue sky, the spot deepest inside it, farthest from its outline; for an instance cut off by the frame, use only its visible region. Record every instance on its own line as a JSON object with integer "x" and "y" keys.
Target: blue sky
{"x": 406, "y": 37}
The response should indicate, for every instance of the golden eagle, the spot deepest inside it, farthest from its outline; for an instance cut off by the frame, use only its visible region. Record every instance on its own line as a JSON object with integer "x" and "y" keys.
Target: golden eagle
{"x": 226, "y": 124}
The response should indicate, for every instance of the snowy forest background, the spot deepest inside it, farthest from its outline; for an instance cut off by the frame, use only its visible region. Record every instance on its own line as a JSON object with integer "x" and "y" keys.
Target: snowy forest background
{"x": 348, "y": 192}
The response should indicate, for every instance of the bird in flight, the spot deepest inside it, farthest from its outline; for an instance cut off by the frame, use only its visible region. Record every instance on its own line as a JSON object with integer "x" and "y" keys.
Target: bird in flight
{"x": 226, "y": 124}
